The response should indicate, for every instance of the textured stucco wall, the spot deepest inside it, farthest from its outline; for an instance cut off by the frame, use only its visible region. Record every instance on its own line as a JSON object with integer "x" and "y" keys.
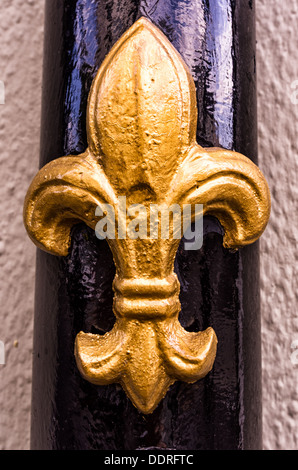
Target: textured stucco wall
{"x": 278, "y": 147}
{"x": 21, "y": 38}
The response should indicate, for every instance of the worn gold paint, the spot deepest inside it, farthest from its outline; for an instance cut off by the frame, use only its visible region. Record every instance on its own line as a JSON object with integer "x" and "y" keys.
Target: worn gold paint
{"x": 141, "y": 125}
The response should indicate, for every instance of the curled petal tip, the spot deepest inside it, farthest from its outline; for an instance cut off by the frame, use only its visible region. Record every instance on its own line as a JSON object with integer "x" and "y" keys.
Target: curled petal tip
{"x": 99, "y": 358}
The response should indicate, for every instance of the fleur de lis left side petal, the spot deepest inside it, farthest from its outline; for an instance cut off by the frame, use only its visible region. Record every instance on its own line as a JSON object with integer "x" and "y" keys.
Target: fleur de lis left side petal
{"x": 141, "y": 126}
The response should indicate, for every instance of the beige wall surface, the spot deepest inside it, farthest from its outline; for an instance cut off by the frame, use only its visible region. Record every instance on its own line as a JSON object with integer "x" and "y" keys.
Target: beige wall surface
{"x": 277, "y": 62}
{"x": 21, "y": 42}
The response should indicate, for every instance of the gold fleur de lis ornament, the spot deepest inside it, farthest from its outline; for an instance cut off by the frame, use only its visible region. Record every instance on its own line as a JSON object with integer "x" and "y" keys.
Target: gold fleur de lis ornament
{"x": 141, "y": 128}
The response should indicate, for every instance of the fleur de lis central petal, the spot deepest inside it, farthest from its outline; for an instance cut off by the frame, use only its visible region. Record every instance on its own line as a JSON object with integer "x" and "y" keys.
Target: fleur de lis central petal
{"x": 141, "y": 127}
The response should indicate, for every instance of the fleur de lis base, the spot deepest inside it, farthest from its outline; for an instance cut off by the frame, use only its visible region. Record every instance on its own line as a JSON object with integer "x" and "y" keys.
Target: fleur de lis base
{"x": 141, "y": 127}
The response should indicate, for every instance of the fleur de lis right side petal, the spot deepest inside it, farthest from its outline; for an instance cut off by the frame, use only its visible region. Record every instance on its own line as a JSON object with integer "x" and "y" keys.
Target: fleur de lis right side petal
{"x": 230, "y": 187}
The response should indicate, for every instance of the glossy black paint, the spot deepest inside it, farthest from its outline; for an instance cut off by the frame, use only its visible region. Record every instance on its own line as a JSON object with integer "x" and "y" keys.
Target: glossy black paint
{"x": 218, "y": 288}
